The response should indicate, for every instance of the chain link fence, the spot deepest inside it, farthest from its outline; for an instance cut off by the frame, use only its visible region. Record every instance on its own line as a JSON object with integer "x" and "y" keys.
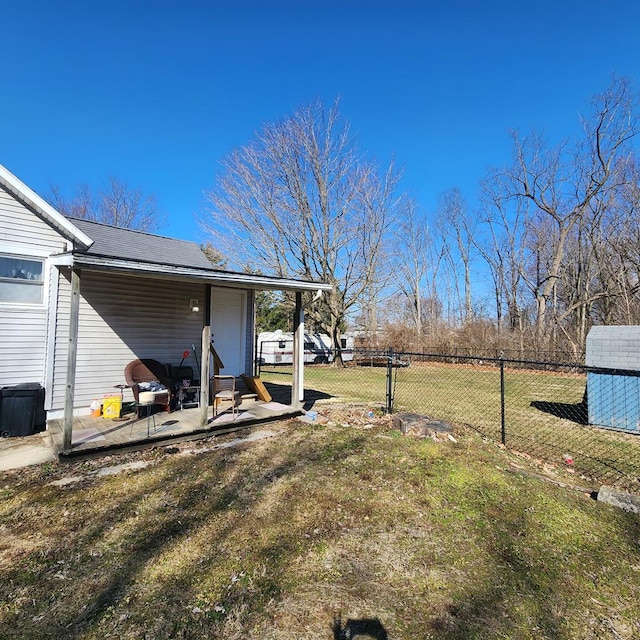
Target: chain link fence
{"x": 538, "y": 409}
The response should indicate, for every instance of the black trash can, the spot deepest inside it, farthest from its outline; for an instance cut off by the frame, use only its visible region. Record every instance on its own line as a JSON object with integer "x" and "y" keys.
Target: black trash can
{"x": 22, "y": 410}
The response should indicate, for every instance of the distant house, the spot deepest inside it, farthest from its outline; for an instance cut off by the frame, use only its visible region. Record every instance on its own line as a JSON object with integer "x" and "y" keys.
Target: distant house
{"x": 79, "y": 300}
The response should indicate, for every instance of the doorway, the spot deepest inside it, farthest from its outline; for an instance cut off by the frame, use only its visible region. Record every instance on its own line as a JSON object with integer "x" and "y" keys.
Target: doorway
{"x": 228, "y": 328}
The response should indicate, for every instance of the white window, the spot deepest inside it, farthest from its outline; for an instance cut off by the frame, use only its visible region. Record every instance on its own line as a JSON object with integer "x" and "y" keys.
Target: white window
{"x": 21, "y": 279}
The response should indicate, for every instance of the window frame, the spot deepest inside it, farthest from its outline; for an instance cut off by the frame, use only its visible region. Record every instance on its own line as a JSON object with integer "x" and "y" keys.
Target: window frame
{"x": 18, "y": 252}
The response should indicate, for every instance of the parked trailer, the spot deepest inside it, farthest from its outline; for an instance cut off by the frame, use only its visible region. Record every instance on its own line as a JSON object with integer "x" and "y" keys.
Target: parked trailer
{"x": 276, "y": 347}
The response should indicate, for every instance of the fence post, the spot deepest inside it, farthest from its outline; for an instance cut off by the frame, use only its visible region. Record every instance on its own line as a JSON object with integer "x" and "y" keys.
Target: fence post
{"x": 390, "y": 380}
{"x": 503, "y": 425}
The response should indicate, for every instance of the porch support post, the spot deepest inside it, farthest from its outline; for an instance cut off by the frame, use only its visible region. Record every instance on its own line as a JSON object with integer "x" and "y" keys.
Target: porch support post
{"x": 72, "y": 353}
{"x": 297, "y": 389}
{"x": 205, "y": 369}
{"x": 204, "y": 375}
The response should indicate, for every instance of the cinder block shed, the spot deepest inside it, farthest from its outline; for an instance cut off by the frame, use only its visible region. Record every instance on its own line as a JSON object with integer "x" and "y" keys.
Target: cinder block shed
{"x": 613, "y": 377}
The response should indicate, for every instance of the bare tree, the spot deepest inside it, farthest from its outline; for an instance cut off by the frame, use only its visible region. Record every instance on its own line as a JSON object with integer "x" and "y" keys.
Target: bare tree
{"x": 563, "y": 187}
{"x": 116, "y": 204}
{"x": 215, "y": 257}
{"x": 503, "y": 247}
{"x": 457, "y": 228}
{"x": 301, "y": 200}
{"x": 615, "y": 249}
{"x": 415, "y": 258}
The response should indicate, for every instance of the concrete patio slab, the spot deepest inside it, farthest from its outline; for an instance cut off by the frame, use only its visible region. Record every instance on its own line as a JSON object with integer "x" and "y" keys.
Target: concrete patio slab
{"x": 16, "y": 453}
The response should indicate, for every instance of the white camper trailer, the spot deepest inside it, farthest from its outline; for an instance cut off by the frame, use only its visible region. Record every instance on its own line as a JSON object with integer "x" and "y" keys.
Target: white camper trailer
{"x": 276, "y": 347}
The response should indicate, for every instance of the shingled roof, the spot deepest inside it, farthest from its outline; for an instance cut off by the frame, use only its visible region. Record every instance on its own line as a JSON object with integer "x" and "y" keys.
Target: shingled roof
{"x": 128, "y": 251}
{"x": 127, "y": 244}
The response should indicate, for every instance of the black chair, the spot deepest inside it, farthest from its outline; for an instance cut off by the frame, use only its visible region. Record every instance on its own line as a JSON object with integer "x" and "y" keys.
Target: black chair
{"x": 179, "y": 375}
{"x": 186, "y": 389}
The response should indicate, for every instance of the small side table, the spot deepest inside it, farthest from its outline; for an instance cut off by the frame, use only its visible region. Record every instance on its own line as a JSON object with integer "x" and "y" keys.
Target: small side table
{"x": 122, "y": 387}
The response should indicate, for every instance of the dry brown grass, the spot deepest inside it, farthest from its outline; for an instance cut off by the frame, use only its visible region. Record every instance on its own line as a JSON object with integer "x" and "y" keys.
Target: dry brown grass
{"x": 272, "y": 539}
{"x": 544, "y": 411}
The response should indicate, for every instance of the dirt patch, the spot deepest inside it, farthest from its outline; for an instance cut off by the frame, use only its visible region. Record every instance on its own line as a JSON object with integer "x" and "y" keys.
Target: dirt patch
{"x": 356, "y": 415}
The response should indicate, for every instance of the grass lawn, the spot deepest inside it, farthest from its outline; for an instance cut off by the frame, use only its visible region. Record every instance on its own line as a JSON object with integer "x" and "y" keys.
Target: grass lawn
{"x": 544, "y": 414}
{"x": 274, "y": 538}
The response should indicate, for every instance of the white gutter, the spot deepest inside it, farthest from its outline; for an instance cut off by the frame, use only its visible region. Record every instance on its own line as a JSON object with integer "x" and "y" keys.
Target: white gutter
{"x": 244, "y": 280}
{"x": 315, "y": 298}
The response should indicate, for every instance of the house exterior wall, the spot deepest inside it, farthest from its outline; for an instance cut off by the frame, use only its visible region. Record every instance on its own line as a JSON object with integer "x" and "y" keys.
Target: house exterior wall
{"x": 122, "y": 318}
{"x": 24, "y": 327}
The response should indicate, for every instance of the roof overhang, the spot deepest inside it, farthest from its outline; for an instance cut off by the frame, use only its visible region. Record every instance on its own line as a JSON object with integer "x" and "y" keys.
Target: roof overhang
{"x": 32, "y": 200}
{"x": 172, "y": 272}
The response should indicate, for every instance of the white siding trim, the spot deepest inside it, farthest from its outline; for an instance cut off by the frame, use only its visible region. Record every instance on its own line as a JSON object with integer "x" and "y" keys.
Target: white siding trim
{"x": 52, "y": 318}
{"x": 250, "y": 341}
{"x": 32, "y": 200}
{"x": 215, "y": 278}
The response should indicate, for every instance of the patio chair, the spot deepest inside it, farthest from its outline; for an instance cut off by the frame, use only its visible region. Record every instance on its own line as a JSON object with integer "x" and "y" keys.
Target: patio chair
{"x": 184, "y": 387}
{"x": 224, "y": 390}
{"x": 180, "y": 375}
{"x": 149, "y": 376}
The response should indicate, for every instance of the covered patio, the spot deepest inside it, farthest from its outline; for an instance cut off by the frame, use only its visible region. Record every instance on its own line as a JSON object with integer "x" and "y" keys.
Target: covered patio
{"x": 99, "y": 436}
{"x": 135, "y": 297}
{"x": 101, "y": 297}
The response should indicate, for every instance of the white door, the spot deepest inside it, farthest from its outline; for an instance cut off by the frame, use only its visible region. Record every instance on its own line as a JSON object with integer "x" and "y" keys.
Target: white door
{"x": 228, "y": 329}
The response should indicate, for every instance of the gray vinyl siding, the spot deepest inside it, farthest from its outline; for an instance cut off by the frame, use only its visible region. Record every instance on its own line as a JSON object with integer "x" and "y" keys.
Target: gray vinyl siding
{"x": 122, "y": 318}
{"x": 22, "y": 226}
{"x": 22, "y": 345}
{"x": 23, "y": 328}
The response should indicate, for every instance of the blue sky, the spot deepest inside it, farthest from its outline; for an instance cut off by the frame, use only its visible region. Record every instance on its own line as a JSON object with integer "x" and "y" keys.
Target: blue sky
{"x": 157, "y": 93}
